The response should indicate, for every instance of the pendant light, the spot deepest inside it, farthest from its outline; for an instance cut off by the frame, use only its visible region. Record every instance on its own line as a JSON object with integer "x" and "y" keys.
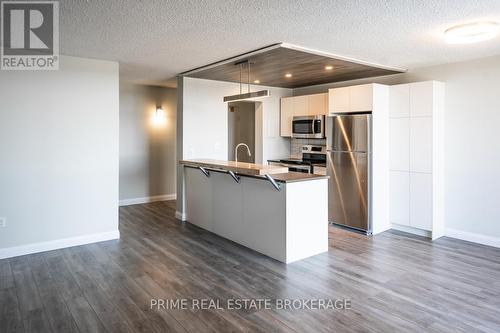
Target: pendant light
{"x": 249, "y": 95}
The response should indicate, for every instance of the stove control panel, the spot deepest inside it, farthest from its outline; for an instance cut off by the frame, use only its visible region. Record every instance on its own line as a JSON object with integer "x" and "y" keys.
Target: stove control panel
{"x": 311, "y": 149}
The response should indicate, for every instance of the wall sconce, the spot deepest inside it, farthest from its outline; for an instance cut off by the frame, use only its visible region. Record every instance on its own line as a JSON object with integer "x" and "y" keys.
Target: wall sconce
{"x": 159, "y": 117}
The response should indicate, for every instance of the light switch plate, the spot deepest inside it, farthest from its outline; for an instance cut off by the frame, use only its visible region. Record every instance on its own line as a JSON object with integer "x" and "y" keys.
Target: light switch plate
{"x": 3, "y": 222}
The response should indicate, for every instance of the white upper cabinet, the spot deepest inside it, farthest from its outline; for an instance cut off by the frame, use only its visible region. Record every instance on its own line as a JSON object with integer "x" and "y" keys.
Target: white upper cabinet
{"x": 351, "y": 99}
{"x": 361, "y": 98}
{"x": 318, "y": 104}
{"x": 421, "y": 99}
{"x": 300, "y": 105}
{"x": 306, "y": 105}
{"x": 339, "y": 100}
{"x": 400, "y": 101}
{"x": 286, "y": 117}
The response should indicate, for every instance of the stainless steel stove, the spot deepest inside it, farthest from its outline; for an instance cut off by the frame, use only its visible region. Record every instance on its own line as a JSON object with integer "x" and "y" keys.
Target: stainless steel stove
{"x": 313, "y": 160}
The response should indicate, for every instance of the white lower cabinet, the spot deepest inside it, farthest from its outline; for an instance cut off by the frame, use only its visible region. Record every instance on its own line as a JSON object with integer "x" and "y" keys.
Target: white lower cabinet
{"x": 400, "y": 197}
{"x": 421, "y": 201}
{"x": 411, "y": 199}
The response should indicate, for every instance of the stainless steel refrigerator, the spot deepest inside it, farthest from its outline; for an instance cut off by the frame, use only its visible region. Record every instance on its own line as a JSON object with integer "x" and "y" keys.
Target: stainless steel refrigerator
{"x": 349, "y": 167}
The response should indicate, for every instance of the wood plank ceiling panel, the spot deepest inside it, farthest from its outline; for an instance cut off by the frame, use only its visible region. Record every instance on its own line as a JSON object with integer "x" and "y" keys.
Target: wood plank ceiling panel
{"x": 270, "y": 67}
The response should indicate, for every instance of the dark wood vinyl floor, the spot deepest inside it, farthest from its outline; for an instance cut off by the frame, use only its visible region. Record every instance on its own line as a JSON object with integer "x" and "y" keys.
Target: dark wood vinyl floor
{"x": 396, "y": 283}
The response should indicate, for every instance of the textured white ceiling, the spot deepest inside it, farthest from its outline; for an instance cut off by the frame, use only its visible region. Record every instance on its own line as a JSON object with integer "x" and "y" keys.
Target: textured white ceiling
{"x": 156, "y": 39}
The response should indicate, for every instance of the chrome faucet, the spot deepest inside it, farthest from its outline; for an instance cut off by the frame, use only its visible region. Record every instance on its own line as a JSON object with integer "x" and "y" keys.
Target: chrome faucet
{"x": 236, "y": 150}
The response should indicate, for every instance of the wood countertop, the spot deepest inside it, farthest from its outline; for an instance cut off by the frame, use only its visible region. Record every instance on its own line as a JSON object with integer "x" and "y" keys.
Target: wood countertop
{"x": 241, "y": 168}
{"x": 292, "y": 177}
{"x": 279, "y": 173}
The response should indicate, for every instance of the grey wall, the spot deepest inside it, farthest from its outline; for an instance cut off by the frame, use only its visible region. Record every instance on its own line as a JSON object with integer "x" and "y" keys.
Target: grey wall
{"x": 59, "y": 153}
{"x": 472, "y": 139}
{"x": 147, "y": 148}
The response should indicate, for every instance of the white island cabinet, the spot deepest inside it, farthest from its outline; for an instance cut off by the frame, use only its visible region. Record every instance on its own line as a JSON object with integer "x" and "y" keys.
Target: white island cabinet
{"x": 287, "y": 224}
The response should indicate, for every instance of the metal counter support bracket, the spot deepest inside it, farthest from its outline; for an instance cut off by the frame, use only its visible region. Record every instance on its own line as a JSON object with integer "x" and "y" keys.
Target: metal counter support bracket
{"x": 236, "y": 178}
{"x": 204, "y": 171}
{"x": 273, "y": 182}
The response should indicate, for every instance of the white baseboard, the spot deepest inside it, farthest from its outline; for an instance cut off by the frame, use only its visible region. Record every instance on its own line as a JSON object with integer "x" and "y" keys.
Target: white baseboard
{"x": 453, "y": 233}
{"x": 57, "y": 244}
{"x": 472, "y": 237}
{"x": 381, "y": 229}
{"x": 180, "y": 216}
{"x": 410, "y": 230}
{"x": 143, "y": 200}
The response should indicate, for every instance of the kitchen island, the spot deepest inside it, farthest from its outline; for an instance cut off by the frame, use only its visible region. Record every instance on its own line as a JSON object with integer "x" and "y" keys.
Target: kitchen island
{"x": 281, "y": 214}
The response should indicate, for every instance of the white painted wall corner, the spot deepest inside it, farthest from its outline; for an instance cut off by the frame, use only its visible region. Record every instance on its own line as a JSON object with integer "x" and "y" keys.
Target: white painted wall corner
{"x": 381, "y": 228}
{"x": 143, "y": 200}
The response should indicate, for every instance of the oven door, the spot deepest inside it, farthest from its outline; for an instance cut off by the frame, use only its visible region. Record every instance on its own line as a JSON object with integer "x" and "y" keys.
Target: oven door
{"x": 308, "y": 127}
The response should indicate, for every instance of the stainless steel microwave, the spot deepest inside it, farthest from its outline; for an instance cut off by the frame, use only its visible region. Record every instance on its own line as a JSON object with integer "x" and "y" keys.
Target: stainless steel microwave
{"x": 312, "y": 127}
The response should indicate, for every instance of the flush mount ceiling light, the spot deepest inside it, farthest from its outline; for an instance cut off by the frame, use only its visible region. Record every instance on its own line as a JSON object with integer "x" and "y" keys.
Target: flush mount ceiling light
{"x": 288, "y": 75}
{"x": 256, "y": 81}
{"x": 328, "y": 68}
{"x": 249, "y": 95}
{"x": 471, "y": 32}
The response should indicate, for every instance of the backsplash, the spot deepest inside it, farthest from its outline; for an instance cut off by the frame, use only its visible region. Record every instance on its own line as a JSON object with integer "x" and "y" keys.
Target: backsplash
{"x": 296, "y": 145}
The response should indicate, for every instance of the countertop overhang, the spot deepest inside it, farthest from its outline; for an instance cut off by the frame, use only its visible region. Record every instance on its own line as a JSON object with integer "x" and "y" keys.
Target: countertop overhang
{"x": 279, "y": 173}
{"x": 241, "y": 168}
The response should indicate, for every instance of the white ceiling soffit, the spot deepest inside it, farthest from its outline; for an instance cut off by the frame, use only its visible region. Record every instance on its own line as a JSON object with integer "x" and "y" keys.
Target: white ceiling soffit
{"x": 339, "y": 57}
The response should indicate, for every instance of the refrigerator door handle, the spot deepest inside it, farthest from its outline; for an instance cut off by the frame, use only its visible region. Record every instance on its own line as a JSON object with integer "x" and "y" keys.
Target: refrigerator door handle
{"x": 329, "y": 132}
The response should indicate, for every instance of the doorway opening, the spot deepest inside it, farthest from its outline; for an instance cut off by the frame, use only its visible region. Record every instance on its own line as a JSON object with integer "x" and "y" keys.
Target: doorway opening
{"x": 244, "y": 127}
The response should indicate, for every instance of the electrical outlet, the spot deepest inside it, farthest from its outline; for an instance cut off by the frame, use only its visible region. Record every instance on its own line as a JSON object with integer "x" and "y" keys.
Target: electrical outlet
{"x": 3, "y": 222}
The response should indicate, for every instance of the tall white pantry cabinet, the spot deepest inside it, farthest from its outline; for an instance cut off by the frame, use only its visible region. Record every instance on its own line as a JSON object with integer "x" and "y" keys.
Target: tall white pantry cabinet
{"x": 416, "y": 131}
